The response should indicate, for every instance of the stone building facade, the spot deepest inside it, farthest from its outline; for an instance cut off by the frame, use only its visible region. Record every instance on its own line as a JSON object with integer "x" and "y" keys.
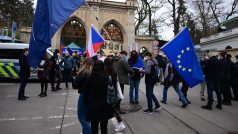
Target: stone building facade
{"x": 117, "y": 18}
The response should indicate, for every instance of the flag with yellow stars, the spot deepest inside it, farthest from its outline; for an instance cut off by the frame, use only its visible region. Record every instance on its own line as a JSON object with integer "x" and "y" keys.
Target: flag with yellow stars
{"x": 181, "y": 52}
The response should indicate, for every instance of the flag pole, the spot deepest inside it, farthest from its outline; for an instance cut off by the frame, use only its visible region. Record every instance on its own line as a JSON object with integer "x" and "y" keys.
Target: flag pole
{"x": 173, "y": 38}
{"x": 99, "y": 23}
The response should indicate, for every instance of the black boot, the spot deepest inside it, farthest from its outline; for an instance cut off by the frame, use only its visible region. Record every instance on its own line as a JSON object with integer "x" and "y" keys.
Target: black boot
{"x": 207, "y": 107}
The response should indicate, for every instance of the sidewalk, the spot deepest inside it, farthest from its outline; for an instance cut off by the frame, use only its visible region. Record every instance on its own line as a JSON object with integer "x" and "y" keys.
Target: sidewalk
{"x": 196, "y": 118}
{"x": 44, "y": 115}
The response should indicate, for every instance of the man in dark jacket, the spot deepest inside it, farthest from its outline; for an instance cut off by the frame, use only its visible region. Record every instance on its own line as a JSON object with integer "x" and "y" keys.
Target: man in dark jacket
{"x": 211, "y": 71}
{"x": 149, "y": 69}
{"x": 234, "y": 76}
{"x": 55, "y": 73}
{"x": 225, "y": 75}
{"x": 122, "y": 69}
{"x": 24, "y": 74}
{"x": 172, "y": 78}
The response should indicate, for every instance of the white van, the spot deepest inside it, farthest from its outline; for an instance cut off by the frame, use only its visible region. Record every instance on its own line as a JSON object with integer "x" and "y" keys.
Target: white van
{"x": 9, "y": 60}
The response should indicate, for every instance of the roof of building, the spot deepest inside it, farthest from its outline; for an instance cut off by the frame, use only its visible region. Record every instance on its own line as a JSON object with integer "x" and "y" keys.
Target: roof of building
{"x": 4, "y": 38}
{"x": 230, "y": 24}
{"x": 72, "y": 45}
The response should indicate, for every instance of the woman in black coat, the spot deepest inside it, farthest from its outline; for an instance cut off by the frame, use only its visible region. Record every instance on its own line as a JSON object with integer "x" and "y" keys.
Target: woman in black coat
{"x": 96, "y": 99}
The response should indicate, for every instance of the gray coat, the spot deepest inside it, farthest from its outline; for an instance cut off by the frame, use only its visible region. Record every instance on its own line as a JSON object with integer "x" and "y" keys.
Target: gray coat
{"x": 123, "y": 69}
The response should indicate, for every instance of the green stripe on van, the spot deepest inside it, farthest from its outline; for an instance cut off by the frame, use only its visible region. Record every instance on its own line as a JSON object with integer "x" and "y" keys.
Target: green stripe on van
{"x": 13, "y": 73}
{"x": 3, "y": 72}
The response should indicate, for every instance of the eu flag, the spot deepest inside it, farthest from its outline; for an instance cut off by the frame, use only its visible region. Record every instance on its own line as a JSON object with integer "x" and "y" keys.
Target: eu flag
{"x": 50, "y": 15}
{"x": 181, "y": 52}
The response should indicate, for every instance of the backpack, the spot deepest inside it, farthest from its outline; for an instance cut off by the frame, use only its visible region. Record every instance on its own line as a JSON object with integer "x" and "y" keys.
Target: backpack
{"x": 155, "y": 73}
{"x": 111, "y": 93}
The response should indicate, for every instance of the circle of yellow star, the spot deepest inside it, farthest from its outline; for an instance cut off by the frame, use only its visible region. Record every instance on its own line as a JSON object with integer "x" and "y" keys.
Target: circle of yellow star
{"x": 182, "y": 51}
{"x": 184, "y": 69}
{"x": 188, "y": 48}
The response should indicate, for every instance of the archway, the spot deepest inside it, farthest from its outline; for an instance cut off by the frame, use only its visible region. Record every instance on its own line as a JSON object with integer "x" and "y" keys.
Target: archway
{"x": 74, "y": 32}
{"x": 115, "y": 34}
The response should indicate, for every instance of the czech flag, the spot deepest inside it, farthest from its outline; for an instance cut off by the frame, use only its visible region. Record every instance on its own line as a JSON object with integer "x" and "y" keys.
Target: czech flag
{"x": 95, "y": 41}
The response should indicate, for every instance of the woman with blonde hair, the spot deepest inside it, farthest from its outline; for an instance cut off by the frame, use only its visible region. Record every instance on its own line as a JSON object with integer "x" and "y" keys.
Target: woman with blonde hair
{"x": 82, "y": 75}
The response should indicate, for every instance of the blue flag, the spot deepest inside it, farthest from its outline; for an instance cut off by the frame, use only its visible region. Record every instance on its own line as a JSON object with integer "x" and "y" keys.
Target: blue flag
{"x": 181, "y": 52}
{"x": 50, "y": 15}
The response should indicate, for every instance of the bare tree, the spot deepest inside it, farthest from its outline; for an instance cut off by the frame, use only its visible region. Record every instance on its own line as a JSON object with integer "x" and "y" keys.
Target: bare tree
{"x": 219, "y": 13}
{"x": 205, "y": 16}
{"x": 234, "y": 9}
{"x": 144, "y": 18}
{"x": 142, "y": 13}
{"x": 213, "y": 12}
{"x": 178, "y": 10}
{"x": 216, "y": 9}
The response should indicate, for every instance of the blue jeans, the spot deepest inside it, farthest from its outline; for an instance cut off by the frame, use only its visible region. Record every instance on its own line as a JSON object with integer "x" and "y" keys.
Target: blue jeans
{"x": 134, "y": 84}
{"x": 178, "y": 91}
{"x": 21, "y": 92}
{"x": 82, "y": 113}
{"x": 150, "y": 96}
{"x": 213, "y": 86}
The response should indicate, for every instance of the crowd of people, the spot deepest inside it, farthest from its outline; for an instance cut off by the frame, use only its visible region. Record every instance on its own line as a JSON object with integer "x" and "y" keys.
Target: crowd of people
{"x": 221, "y": 75}
{"x": 91, "y": 77}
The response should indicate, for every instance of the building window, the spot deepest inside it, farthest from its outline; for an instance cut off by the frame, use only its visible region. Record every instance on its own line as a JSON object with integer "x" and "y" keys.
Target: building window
{"x": 115, "y": 34}
{"x": 74, "y": 32}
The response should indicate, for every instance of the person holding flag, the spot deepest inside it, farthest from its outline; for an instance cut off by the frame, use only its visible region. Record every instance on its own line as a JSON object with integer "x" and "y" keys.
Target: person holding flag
{"x": 172, "y": 78}
{"x": 183, "y": 61}
{"x": 50, "y": 15}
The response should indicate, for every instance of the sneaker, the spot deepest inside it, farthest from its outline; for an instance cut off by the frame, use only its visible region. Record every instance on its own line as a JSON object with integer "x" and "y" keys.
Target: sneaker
{"x": 157, "y": 108}
{"x": 21, "y": 98}
{"x": 40, "y": 94}
{"x": 219, "y": 107}
{"x": 148, "y": 111}
{"x": 120, "y": 127}
{"x": 44, "y": 95}
{"x": 132, "y": 102}
{"x": 207, "y": 107}
{"x": 26, "y": 97}
{"x": 189, "y": 102}
{"x": 184, "y": 105}
{"x": 136, "y": 102}
{"x": 163, "y": 102}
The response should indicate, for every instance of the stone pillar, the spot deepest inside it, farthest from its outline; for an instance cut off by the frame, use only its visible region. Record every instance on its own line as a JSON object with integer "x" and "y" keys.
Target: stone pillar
{"x": 130, "y": 30}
